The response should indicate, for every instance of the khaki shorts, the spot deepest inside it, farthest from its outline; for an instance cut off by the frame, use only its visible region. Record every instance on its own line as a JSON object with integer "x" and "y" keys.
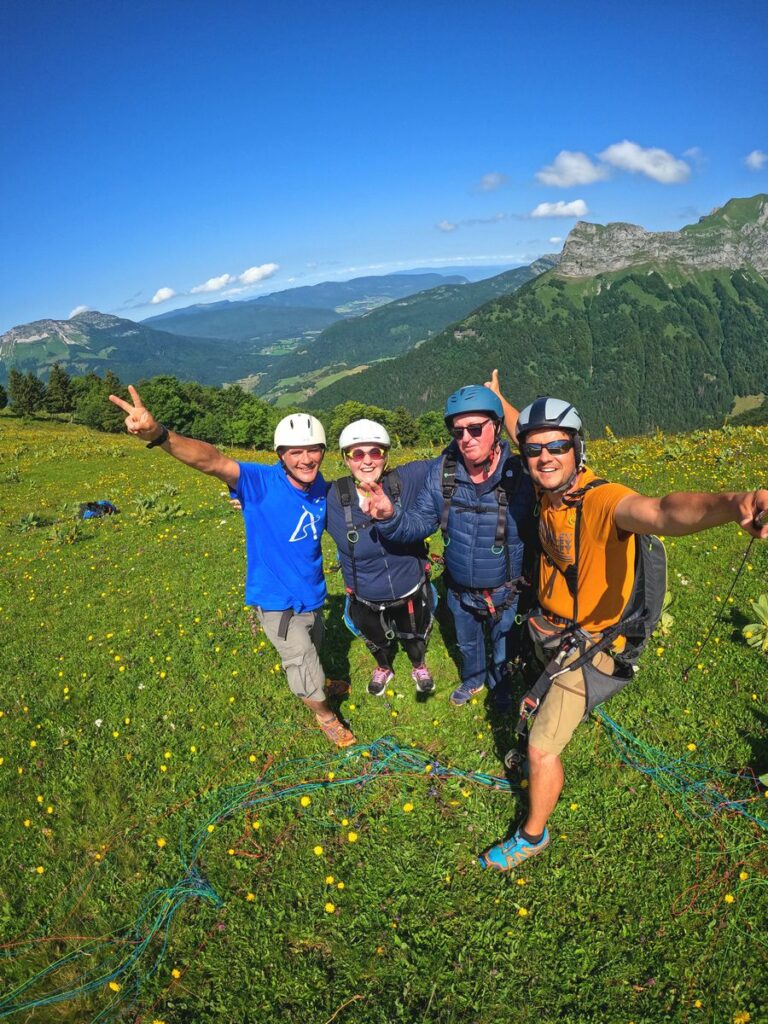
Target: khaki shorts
{"x": 299, "y": 651}
{"x": 563, "y": 707}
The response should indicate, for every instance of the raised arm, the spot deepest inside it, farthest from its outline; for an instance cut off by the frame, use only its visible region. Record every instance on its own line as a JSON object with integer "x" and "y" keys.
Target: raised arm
{"x": 198, "y": 454}
{"x": 681, "y": 513}
{"x": 511, "y": 414}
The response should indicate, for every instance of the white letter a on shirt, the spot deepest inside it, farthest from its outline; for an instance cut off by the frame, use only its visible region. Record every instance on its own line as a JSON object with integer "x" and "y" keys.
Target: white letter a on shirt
{"x": 307, "y": 521}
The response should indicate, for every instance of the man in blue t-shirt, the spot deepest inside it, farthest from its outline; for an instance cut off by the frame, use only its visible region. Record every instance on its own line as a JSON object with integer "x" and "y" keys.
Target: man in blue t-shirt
{"x": 284, "y": 510}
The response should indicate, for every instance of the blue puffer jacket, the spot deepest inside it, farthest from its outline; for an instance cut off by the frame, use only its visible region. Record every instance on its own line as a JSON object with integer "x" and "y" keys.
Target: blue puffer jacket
{"x": 383, "y": 569}
{"x": 469, "y": 559}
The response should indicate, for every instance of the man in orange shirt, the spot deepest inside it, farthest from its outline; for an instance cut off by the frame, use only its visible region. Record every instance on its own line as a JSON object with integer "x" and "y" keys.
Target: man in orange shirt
{"x": 584, "y": 594}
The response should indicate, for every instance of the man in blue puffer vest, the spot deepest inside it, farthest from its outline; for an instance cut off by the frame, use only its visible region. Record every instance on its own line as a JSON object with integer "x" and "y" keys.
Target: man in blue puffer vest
{"x": 483, "y": 502}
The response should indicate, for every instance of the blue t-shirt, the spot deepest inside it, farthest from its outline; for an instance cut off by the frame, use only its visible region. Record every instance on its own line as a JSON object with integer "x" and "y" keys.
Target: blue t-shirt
{"x": 283, "y": 526}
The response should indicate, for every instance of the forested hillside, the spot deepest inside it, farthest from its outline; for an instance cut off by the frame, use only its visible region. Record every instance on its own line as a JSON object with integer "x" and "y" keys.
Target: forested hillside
{"x": 651, "y": 347}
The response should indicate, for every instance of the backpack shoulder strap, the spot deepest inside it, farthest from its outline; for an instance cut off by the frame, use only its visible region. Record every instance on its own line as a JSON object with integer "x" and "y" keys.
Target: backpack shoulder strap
{"x": 395, "y": 485}
{"x": 448, "y": 484}
{"x": 576, "y": 500}
{"x": 345, "y": 489}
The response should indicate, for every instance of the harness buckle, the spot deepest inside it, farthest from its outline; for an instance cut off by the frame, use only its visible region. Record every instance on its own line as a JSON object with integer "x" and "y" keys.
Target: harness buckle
{"x": 528, "y": 707}
{"x": 353, "y": 536}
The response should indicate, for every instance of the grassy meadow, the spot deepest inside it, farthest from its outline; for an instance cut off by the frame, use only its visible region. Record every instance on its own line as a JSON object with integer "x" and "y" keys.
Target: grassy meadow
{"x": 180, "y": 844}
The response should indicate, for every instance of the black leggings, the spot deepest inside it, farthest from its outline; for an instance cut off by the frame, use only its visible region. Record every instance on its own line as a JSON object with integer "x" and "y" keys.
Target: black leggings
{"x": 398, "y": 621}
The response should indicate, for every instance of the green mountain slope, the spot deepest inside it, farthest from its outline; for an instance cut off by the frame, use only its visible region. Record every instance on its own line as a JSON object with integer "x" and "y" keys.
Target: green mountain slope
{"x": 296, "y": 314}
{"x": 390, "y": 330}
{"x": 650, "y": 347}
{"x": 98, "y": 342}
{"x": 261, "y": 325}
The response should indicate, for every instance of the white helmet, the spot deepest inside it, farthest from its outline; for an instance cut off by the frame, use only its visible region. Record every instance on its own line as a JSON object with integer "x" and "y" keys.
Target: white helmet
{"x": 299, "y": 430}
{"x": 364, "y": 432}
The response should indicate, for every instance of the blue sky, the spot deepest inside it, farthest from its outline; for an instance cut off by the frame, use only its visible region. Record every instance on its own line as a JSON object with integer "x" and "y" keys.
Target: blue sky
{"x": 244, "y": 147}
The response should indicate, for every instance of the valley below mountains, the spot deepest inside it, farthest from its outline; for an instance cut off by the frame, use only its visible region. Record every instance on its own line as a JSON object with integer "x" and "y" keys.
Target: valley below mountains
{"x": 641, "y": 330}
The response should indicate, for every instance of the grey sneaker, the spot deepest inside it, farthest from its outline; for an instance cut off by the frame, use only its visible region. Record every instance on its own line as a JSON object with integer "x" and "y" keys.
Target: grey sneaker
{"x": 378, "y": 684}
{"x": 424, "y": 681}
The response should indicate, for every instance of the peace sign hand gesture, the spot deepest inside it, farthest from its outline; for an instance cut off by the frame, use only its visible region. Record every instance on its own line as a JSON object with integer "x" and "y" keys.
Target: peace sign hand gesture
{"x": 139, "y": 420}
{"x": 377, "y": 505}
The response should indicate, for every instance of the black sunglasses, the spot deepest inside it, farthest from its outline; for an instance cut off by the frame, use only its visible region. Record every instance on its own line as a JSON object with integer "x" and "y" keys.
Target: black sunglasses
{"x": 474, "y": 430}
{"x": 530, "y": 449}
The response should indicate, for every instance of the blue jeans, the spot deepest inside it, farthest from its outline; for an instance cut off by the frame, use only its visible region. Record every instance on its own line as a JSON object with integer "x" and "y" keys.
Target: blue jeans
{"x": 470, "y": 628}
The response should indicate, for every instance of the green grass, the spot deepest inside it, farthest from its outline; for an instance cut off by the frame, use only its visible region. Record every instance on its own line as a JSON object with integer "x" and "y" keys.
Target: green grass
{"x": 127, "y": 648}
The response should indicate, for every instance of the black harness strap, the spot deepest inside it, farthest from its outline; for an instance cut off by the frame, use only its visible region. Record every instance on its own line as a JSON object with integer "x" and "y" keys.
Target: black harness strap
{"x": 571, "y": 572}
{"x": 345, "y": 488}
{"x": 285, "y": 621}
{"x": 509, "y": 480}
{"x": 573, "y": 635}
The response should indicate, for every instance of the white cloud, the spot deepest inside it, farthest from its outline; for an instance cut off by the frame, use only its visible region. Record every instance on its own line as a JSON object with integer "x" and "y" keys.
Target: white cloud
{"x": 654, "y": 163}
{"x": 162, "y": 295}
{"x": 255, "y": 274}
{"x": 77, "y": 310}
{"x": 569, "y": 169}
{"x": 213, "y": 284}
{"x": 576, "y": 208}
{"x": 756, "y": 160}
{"x": 445, "y": 225}
{"x": 555, "y": 239}
{"x": 491, "y": 181}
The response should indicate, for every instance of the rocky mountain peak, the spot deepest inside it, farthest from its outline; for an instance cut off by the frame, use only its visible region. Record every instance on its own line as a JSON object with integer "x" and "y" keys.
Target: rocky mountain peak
{"x": 731, "y": 236}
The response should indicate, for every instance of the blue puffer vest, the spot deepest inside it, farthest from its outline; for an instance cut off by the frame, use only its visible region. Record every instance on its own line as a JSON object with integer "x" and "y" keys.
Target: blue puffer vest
{"x": 470, "y": 558}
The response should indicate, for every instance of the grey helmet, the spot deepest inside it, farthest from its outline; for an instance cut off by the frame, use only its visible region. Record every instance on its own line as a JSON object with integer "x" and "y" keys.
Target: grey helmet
{"x": 547, "y": 413}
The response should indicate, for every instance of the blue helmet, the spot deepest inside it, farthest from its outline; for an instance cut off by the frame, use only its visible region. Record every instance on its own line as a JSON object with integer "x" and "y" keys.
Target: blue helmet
{"x": 473, "y": 398}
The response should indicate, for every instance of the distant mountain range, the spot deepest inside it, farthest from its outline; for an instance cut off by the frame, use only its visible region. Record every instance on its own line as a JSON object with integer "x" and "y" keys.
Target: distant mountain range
{"x": 295, "y": 313}
{"x": 261, "y": 341}
{"x": 666, "y": 337}
{"x": 390, "y": 330}
{"x": 97, "y": 342}
{"x": 639, "y": 329}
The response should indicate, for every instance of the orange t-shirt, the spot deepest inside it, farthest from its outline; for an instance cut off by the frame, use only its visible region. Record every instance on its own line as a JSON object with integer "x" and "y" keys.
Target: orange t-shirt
{"x": 606, "y": 557}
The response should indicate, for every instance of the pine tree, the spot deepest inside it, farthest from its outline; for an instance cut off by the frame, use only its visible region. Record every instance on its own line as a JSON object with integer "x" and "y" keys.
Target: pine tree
{"x": 3, "y": 397}
{"x": 27, "y": 392}
{"x": 58, "y": 397}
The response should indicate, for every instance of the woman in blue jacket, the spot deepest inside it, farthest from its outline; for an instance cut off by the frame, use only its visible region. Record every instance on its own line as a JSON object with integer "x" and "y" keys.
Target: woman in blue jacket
{"x": 389, "y": 596}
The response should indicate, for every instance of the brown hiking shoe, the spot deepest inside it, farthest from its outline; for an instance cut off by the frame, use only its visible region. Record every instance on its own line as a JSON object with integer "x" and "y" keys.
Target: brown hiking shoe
{"x": 336, "y": 731}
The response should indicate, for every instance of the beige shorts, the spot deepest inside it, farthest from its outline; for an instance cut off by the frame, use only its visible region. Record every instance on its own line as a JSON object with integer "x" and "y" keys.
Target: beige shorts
{"x": 299, "y": 650}
{"x": 563, "y": 707}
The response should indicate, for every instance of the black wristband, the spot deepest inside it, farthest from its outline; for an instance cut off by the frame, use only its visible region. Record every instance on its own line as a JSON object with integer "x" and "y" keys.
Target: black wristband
{"x": 161, "y": 438}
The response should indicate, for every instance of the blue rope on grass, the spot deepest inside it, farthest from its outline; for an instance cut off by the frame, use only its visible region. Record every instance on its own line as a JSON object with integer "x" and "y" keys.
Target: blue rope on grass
{"x": 134, "y": 961}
